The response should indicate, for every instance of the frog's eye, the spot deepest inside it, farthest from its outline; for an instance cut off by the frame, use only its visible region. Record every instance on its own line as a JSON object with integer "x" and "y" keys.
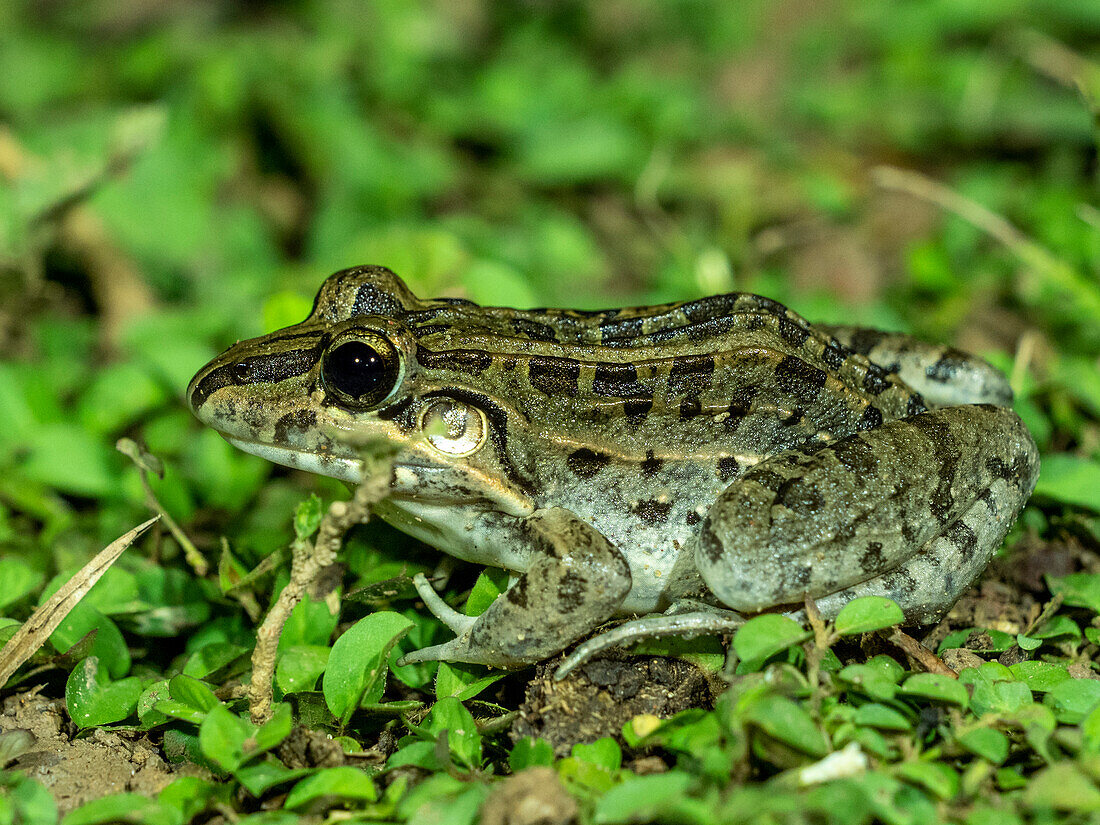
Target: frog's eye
{"x": 453, "y": 428}
{"x": 361, "y": 372}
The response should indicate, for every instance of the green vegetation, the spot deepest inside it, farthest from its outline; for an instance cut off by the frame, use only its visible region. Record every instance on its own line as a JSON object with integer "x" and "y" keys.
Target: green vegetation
{"x": 175, "y": 176}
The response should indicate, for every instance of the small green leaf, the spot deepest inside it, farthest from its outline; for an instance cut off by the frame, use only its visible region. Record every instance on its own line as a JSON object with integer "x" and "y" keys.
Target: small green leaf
{"x": 331, "y": 787}
{"x": 991, "y": 745}
{"x": 761, "y": 637}
{"x": 1058, "y": 626}
{"x": 1070, "y": 479}
{"x": 222, "y": 736}
{"x": 463, "y": 681}
{"x": 300, "y": 667}
{"x": 307, "y": 517}
{"x": 1077, "y": 589}
{"x": 19, "y": 580}
{"x": 266, "y": 774}
{"x": 1039, "y": 676}
{"x": 462, "y": 737}
{"x": 1028, "y": 642}
{"x": 357, "y": 665}
{"x": 1063, "y": 787}
{"x": 490, "y": 583}
{"x": 787, "y": 721}
{"x": 108, "y": 645}
{"x": 272, "y": 732}
{"x": 936, "y": 777}
{"x": 193, "y": 693}
{"x": 121, "y": 807}
{"x": 642, "y": 798}
{"x": 529, "y": 752}
{"x": 93, "y": 699}
{"x": 936, "y": 687}
{"x": 604, "y": 753}
{"x": 881, "y": 716}
{"x": 1073, "y": 699}
{"x": 868, "y": 614}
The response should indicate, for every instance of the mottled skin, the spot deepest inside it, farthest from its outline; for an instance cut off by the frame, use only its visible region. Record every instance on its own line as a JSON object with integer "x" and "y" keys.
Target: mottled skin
{"x": 722, "y": 453}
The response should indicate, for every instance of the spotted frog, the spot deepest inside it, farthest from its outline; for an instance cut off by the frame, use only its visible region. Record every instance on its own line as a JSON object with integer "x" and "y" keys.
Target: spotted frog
{"x": 686, "y": 464}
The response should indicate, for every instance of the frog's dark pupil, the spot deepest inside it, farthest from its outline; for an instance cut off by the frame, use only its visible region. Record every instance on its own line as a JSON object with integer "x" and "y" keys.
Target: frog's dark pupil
{"x": 359, "y": 371}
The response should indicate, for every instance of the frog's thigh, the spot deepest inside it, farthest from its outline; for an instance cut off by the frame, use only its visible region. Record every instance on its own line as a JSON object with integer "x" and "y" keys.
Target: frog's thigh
{"x": 803, "y": 524}
{"x": 944, "y": 376}
{"x": 575, "y": 580}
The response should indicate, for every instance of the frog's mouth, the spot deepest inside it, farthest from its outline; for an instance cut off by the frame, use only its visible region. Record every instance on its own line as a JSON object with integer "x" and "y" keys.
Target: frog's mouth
{"x": 341, "y": 467}
{"x": 414, "y": 481}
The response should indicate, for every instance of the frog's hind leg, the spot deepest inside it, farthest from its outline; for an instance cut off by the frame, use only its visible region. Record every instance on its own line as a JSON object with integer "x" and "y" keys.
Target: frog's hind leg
{"x": 944, "y": 376}
{"x": 575, "y": 580}
{"x": 918, "y": 504}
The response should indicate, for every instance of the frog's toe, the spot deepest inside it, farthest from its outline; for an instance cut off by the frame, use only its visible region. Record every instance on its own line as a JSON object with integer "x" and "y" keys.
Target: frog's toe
{"x": 686, "y": 625}
{"x": 452, "y": 651}
{"x": 460, "y": 623}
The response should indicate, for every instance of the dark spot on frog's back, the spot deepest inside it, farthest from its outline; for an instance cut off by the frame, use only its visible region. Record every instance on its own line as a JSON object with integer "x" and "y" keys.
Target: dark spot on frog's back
{"x": 800, "y": 496}
{"x": 370, "y": 300}
{"x": 793, "y": 332}
{"x": 460, "y": 360}
{"x": 651, "y": 465}
{"x": 799, "y": 379}
{"x": 872, "y": 561}
{"x": 586, "y": 463}
{"x": 691, "y": 373}
{"x": 535, "y": 330}
{"x": 947, "y": 367}
{"x": 618, "y": 381}
{"x": 871, "y": 418}
{"x": 875, "y": 381}
{"x": 554, "y": 376}
{"x": 728, "y": 468}
{"x": 857, "y": 456}
{"x": 652, "y": 512}
{"x": 300, "y": 420}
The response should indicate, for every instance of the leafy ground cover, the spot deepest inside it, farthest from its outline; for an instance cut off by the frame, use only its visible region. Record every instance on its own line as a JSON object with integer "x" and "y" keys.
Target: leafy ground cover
{"x": 177, "y": 176}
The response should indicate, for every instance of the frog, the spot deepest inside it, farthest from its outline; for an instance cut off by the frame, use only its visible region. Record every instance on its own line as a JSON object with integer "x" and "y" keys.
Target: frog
{"x": 682, "y": 467}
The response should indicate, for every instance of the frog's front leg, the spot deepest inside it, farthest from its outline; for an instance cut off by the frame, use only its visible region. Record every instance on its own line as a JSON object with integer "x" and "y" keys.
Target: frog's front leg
{"x": 823, "y": 522}
{"x": 575, "y": 580}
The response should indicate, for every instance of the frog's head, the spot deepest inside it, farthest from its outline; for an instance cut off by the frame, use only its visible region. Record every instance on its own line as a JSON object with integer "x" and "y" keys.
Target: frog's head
{"x": 309, "y": 396}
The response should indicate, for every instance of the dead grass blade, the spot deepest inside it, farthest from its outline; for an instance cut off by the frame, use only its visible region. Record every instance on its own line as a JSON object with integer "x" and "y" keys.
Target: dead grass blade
{"x": 34, "y": 632}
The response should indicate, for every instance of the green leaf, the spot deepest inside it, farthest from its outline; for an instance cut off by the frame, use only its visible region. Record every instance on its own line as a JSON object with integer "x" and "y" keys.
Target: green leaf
{"x": 463, "y": 681}
{"x": 936, "y": 777}
{"x": 331, "y": 787}
{"x": 936, "y": 687}
{"x": 1064, "y": 788}
{"x": 867, "y": 614}
{"x": 1078, "y": 590}
{"x": 991, "y": 745}
{"x": 787, "y": 721}
{"x": 122, "y": 807}
{"x": 1028, "y": 642}
{"x": 604, "y": 753}
{"x": 222, "y": 737}
{"x": 1039, "y": 676}
{"x": 357, "y": 665}
{"x": 307, "y": 517}
{"x": 529, "y": 752}
{"x": 30, "y": 802}
{"x": 490, "y": 583}
{"x": 300, "y": 667}
{"x": 1056, "y": 627}
{"x": 1070, "y": 479}
{"x": 881, "y": 716}
{"x": 1073, "y": 699}
{"x": 108, "y": 645}
{"x": 761, "y": 637}
{"x": 642, "y": 798}
{"x": 188, "y": 699}
{"x": 69, "y": 459}
{"x": 311, "y": 622}
{"x": 19, "y": 580}
{"x": 462, "y": 737}
{"x": 93, "y": 699}
{"x": 266, "y": 774}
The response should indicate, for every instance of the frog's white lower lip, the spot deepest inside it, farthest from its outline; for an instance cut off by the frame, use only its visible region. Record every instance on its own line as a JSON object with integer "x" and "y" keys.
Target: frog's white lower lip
{"x": 345, "y": 469}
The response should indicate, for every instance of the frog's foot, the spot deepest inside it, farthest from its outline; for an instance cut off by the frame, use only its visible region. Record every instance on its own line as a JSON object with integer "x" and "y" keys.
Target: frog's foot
{"x": 460, "y": 623}
{"x": 686, "y": 625}
{"x": 575, "y": 580}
